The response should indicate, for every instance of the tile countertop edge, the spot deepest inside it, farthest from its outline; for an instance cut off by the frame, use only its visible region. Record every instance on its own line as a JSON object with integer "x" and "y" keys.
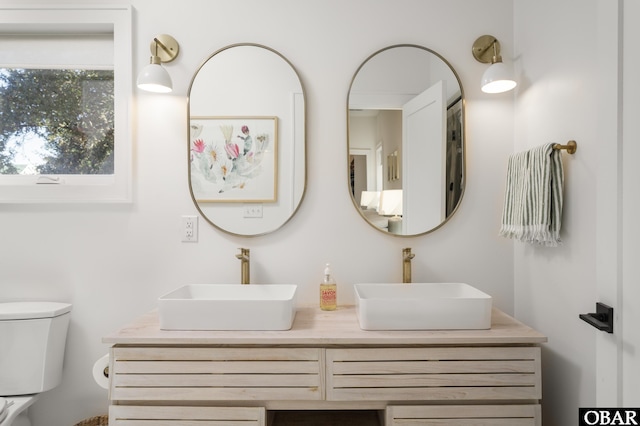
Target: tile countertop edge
{"x": 319, "y": 328}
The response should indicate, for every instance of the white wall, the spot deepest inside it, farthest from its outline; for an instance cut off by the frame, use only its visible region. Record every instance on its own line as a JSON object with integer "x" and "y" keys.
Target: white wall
{"x": 112, "y": 262}
{"x": 558, "y": 100}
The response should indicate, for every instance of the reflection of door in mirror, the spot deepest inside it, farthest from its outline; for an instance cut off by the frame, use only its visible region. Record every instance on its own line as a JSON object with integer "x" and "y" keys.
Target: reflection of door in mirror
{"x": 363, "y": 172}
{"x": 423, "y": 154}
{"x": 358, "y": 176}
{"x": 455, "y": 165}
{"x": 379, "y": 167}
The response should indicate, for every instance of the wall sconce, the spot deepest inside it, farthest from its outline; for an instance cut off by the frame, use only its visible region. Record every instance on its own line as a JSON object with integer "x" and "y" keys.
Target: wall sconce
{"x": 153, "y": 77}
{"x": 498, "y": 77}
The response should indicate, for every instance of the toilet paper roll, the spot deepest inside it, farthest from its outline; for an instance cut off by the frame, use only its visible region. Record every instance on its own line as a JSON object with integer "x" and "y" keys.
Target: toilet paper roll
{"x": 101, "y": 371}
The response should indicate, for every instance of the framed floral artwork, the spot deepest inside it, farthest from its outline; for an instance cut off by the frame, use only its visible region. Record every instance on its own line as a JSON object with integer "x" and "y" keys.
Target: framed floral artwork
{"x": 234, "y": 159}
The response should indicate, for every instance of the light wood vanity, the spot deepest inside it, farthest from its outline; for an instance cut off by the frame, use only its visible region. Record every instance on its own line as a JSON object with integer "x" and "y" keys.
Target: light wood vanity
{"x": 325, "y": 362}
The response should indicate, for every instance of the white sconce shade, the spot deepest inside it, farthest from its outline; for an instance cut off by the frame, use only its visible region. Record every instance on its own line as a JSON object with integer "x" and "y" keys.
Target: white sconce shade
{"x": 153, "y": 77}
{"x": 498, "y": 77}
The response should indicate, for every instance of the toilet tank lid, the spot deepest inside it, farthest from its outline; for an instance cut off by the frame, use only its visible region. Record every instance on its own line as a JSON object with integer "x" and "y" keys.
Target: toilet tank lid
{"x": 32, "y": 310}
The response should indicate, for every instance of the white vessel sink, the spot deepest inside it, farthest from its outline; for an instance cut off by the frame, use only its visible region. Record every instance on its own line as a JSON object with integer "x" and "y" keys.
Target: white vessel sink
{"x": 422, "y": 306}
{"x": 228, "y": 307}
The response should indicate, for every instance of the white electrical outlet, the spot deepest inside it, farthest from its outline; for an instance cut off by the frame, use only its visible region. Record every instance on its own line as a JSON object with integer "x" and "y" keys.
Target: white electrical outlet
{"x": 189, "y": 228}
{"x": 252, "y": 210}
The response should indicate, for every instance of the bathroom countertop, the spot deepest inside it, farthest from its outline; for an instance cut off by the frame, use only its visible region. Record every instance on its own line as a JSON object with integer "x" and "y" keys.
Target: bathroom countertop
{"x": 315, "y": 327}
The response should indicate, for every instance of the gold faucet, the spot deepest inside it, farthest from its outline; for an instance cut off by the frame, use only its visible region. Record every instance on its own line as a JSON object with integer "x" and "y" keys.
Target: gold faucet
{"x": 244, "y": 265}
{"x": 406, "y": 264}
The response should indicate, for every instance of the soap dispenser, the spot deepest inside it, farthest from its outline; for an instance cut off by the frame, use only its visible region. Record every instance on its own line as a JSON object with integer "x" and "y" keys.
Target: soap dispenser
{"x": 328, "y": 291}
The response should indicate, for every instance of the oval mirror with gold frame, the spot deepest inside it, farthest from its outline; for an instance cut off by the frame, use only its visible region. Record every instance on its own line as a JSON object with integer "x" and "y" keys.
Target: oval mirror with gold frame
{"x": 406, "y": 140}
{"x": 247, "y": 140}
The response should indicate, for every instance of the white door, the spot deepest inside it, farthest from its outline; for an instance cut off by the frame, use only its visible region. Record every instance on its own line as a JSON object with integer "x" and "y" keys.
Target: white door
{"x": 630, "y": 200}
{"x": 608, "y": 235}
{"x": 618, "y": 248}
{"x": 423, "y": 160}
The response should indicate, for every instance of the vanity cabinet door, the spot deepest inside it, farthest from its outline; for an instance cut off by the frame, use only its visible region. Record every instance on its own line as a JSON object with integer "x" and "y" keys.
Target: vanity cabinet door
{"x": 431, "y": 374}
{"x": 128, "y": 415}
{"x": 215, "y": 374}
{"x": 460, "y": 415}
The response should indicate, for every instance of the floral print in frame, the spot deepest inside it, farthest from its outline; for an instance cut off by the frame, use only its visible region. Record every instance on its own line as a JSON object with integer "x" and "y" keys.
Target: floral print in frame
{"x": 234, "y": 159}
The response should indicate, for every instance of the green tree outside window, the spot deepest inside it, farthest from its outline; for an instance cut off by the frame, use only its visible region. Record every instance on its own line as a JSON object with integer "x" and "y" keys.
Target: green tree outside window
{"x": 70, "y": 111}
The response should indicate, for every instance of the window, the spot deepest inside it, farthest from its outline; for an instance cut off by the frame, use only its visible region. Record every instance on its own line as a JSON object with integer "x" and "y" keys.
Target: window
{"x": 65, "y": 88}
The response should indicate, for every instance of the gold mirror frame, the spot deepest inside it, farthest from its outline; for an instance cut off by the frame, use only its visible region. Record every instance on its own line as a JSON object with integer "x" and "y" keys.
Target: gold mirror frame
{"x": 300, "y": 167}
{"x": 393, "y": 171}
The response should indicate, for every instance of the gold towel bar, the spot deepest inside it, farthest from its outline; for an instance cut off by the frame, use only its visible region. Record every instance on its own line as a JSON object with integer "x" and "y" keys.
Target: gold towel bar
{"x": 571, "y": 147}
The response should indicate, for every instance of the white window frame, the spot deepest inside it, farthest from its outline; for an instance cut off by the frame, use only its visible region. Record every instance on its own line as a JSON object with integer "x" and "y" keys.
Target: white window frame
{"x": 116, "y": 188}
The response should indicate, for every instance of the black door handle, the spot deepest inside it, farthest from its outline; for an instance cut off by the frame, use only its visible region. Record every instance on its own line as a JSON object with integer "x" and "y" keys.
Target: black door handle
{"x": 602, "y": 319}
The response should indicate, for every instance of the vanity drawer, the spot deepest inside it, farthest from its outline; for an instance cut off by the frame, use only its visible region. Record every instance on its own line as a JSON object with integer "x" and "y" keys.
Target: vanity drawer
{"x": 215, "y": 374}
{"x": 128, "y": 415}
{"x": 431, "y": 374}
{"x": 461, "y": 415}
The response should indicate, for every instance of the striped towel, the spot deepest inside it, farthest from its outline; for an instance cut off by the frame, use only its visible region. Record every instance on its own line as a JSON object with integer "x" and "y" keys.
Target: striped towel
{"x": 533, "y": 198}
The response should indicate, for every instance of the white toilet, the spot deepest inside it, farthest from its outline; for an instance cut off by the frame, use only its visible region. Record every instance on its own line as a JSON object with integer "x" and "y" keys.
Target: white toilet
{"x": 32, "y": 340}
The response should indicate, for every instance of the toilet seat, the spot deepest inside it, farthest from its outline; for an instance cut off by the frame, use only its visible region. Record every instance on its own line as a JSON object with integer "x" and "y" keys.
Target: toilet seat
{"x": 16, "y": 405}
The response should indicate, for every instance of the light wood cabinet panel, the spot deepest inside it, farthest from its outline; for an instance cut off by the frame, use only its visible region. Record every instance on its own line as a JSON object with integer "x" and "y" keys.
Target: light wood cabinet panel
{"x": 464, "y": 415}
{"x": 121, "y": 415}
{"x": 472, "y": 373}
{"x": 228, "y": 374}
